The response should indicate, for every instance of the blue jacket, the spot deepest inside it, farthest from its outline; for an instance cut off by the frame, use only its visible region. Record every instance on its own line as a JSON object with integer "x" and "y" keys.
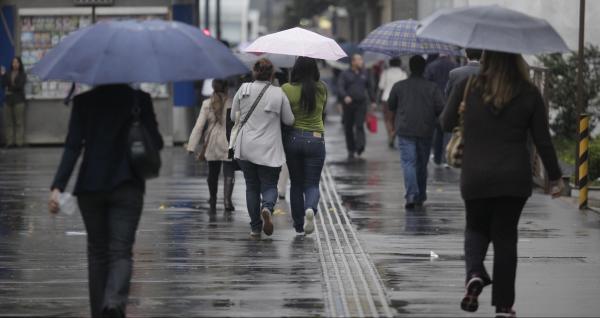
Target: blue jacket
{"x": 100, "y": 121}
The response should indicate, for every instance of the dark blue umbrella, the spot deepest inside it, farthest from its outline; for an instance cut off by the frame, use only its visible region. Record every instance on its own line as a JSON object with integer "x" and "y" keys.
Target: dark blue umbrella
{"x": 132, "y": 51}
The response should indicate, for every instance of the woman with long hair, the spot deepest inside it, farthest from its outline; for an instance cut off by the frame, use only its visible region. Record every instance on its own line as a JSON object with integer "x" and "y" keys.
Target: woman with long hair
{"x": 212, "y": 127}
{"x": 304, "y": 142}
{"x": 262, "y": 108}
{"x": 502, "y": 109}
{"x": 14, "y": 109}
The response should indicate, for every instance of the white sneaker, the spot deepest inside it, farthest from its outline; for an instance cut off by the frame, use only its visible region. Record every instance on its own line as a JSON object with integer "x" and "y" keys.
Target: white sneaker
{"x": 309, "y": 221}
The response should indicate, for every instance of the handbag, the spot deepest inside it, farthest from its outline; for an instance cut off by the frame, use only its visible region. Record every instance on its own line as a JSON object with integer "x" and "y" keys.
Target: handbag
{"x": 372, "y": 123}
{"x": 143, "y": 154}
{"x": 455, "y": 147}
{"x": 202, "y": 154}
{"x": 238, "y": 125}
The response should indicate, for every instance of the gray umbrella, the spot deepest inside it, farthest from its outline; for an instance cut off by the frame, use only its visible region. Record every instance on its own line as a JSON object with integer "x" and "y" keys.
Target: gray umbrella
{"x": 492, "y": 28}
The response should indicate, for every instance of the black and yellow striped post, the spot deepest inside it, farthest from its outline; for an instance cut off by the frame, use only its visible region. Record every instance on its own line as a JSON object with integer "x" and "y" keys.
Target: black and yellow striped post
{"x": 582, "y": 160}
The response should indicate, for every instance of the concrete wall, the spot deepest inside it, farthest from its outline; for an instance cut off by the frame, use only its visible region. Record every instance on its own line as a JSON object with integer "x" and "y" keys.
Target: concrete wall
{"x": 563, "y": 15}
{"x": 47, "y": 120}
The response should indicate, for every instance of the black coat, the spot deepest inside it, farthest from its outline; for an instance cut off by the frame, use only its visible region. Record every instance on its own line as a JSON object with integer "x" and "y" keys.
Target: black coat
{"x": 100, "y": 122}
{"x": 496, "y": 158}
{"x": 15, "y": 92}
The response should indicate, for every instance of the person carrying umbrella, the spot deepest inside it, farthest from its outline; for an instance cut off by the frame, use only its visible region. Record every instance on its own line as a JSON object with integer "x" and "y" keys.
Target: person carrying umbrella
{"x": 502, "y": 108}
{"x": 356, "y": 88}
{"x": 109, "y": 193}
{"x": 304, "y": 142}
{"x": 501, "y": 111}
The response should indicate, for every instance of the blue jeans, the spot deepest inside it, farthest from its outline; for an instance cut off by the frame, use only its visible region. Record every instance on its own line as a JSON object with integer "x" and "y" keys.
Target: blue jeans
{"x": 440, "y": 140}
{"x": 261, "y": 190}
{"x": 414, "y": 156}
{"x": 305, "y": 155}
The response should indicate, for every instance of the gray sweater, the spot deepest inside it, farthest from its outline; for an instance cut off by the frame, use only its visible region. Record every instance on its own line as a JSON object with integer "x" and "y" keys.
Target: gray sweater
{"x": 259, "y": 141}
{"x": 496, "y": 160}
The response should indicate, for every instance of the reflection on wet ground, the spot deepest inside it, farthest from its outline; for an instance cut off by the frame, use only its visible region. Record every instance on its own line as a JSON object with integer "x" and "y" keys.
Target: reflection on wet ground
{"x": 190, "y": 263}
{"x": 419, "y": 253}
{"x": 187, "y": 262}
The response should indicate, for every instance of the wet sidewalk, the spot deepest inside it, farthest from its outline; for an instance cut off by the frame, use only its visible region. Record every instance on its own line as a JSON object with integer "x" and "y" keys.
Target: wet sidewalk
{"x": 368, "y": 258}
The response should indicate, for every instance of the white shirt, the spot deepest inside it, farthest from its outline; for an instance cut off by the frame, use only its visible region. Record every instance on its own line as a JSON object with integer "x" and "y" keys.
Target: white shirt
{"x": 388, "y": 78}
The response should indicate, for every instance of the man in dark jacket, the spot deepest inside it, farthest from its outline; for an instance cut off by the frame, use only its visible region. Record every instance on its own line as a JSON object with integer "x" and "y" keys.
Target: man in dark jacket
{"x": 356, "y": 88}
{"x": 438, "y": 72}
{"x": 109, "y": 193}
{"x": 416, "y": 103}
{"x": 458, "y": 74}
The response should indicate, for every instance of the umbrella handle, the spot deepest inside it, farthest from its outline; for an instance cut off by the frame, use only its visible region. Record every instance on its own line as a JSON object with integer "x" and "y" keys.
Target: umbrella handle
{"x": 69, "y": 97}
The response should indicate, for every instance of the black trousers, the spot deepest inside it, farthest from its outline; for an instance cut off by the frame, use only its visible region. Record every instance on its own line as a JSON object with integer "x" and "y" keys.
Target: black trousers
{"x": 214, "y": 169}
{"x": 354, "y": 126}
{"x": 494, "y": 220}
{"x": 111, "y": 220}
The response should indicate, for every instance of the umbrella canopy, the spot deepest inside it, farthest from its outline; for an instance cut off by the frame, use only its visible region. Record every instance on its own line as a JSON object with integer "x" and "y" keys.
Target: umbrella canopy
{"x": 298, "y": 42}
{"x": 131, "y": 51}
{"x": 279, "y": 61}
{"x": 400, "y": 38}
{"x": 492, "y": 28}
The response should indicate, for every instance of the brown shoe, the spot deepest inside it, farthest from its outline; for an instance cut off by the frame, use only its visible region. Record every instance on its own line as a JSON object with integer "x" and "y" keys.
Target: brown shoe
{"x": 267, "y": 223}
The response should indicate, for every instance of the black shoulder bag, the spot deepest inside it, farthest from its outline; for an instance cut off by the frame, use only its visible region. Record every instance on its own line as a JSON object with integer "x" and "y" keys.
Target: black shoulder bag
{"x": 144, "y": 156}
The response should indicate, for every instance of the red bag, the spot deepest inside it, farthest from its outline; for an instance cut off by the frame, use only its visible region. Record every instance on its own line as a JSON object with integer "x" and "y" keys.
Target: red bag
{"x": 372, "y": 122}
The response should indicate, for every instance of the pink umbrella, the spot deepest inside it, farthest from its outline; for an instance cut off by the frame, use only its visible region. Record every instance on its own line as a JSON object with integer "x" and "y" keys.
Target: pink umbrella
{"x": 299, "y": 42}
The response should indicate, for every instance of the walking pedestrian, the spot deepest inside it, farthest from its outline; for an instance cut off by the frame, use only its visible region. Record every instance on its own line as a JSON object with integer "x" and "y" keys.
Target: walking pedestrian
{"x": 355, "y": 85}
{"x": 14, "y": 108}
{"x": 438, "y": 71}
{"x": 416, "y": 104}
{"x": 304, "y": 142}
{"x": 259, "y": 146}
{"x": 211, "y": 127}
{"x": 502, "y": 109}
{"x": 460, "y": 73}
{"x": 389, "y": 77}
{"x": 109, "y": 193}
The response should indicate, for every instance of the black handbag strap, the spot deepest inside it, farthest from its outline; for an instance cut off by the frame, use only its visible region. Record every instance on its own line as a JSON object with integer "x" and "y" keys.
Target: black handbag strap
{"x": 254, "y": 105}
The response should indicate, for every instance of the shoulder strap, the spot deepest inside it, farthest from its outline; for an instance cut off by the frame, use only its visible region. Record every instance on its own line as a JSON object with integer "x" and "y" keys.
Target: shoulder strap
{"x": 136, "y": 110}
{"x": 254, "y": 105}
{"x": 467, "y": 89}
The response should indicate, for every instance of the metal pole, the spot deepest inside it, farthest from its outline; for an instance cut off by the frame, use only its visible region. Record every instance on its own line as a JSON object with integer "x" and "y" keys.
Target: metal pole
{"x": 580, "y": 107}
{"x": 218, "y": 4}
{"x": 580, "y": 64}
{"x": 93, "y": 14}
{"x": 583, "y": 158}
{"x": 207, "y": 14}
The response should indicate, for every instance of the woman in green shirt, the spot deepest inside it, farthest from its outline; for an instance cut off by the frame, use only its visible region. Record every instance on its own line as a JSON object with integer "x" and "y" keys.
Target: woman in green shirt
{"x": 304, "y": 142}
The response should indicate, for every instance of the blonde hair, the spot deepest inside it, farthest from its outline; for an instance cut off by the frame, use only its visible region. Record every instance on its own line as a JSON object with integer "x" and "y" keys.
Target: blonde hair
{"x": 502, "y": 77}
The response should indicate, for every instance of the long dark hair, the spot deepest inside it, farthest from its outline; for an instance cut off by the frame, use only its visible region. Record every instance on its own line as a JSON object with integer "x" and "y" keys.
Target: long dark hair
{"x": 502, "y": 77}
{"x": 306, "y": 72}
{"x": 21, "y": 67}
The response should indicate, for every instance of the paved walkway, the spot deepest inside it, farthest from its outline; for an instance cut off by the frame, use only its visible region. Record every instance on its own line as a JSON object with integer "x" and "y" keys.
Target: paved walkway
{"x": 369, "y": 257}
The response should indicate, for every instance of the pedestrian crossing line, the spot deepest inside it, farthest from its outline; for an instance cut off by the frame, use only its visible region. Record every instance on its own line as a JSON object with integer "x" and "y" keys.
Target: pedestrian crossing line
{"x": 348, "y": 260}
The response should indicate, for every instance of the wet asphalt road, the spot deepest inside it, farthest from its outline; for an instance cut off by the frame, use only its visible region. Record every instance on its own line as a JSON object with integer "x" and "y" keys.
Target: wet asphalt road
{"x": 190, "y": 264}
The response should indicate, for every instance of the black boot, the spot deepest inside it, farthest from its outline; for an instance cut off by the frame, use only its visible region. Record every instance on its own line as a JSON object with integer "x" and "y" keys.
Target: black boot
{"x": 228, "y": 191}
{"x": 212, "y": 190}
